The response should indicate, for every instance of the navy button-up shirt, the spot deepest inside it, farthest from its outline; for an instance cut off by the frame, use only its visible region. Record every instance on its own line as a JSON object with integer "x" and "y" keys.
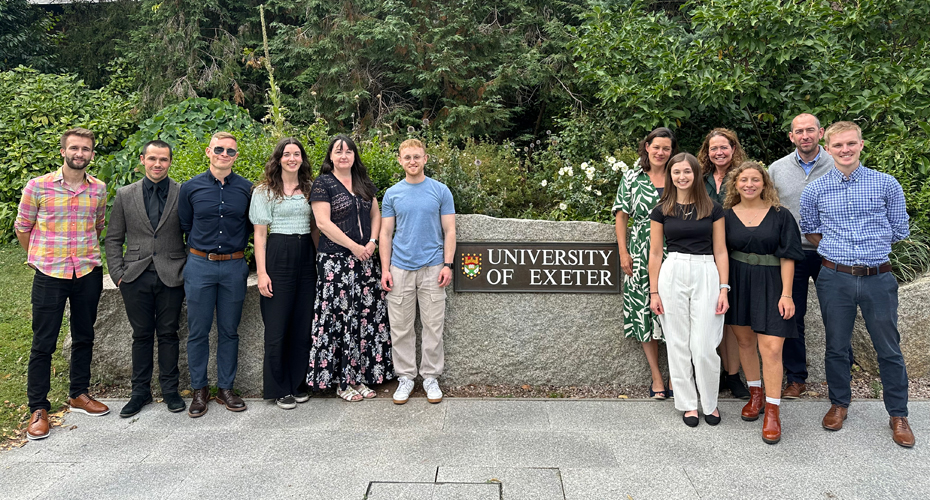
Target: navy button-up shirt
{"x": 215, "y": 215}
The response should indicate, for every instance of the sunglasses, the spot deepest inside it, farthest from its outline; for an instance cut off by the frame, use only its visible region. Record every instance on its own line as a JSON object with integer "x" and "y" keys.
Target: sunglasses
{"x": 229, "y": 151}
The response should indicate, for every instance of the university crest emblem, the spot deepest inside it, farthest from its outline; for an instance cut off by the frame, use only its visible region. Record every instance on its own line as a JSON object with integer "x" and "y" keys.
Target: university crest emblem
{"x": 471, "y": 265}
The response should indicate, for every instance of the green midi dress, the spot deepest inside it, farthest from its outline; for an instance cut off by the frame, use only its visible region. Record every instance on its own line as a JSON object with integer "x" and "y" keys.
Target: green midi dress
{"x": 637, "y": 196}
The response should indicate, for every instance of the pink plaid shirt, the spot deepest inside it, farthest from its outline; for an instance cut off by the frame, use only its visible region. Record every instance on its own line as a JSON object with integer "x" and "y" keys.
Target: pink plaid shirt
{"x": 65, "y": 224}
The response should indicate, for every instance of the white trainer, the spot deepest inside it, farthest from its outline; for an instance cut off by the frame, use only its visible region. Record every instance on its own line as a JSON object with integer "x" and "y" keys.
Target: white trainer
{"x": 433, "y": 392}
{"x": 404, "y": 388}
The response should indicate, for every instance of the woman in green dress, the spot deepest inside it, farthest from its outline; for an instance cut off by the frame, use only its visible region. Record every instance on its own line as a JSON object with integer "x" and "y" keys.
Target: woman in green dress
{"x": 638, "y": 193}
{"x": 720, "y": 153}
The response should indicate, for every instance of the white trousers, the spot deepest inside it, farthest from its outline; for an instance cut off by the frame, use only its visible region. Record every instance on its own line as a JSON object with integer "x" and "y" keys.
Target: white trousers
{"x": 689, "y": 286}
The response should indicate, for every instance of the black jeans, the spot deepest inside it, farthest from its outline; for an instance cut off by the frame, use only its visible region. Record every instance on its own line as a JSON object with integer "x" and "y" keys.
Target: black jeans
{"x": 290, "y": 261}
{"x": 48, "y": 308}
{"x": 153, "y": 309}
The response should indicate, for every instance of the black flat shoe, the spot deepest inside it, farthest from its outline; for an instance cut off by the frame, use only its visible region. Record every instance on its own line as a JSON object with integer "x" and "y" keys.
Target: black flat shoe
{"x": 135, "y": 405}
{"x": 663, "y": 394}
{"x": 174, "y": 402}
{"x": 690, "y": 421}
{"x": 711, "y": 419}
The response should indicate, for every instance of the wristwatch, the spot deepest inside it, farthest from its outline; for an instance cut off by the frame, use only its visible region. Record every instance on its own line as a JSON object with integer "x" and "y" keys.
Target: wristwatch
{"x": 724, "y": 285}
{"x": 450, "y": 265}
{"x": 373, "y": 240}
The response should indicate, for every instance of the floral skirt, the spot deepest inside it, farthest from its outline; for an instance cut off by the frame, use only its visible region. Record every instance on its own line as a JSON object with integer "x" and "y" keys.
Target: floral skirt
{"x": 351, "y": 335}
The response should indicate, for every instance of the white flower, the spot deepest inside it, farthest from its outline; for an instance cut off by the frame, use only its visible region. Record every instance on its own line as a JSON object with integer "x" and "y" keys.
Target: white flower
{"x": 611, "y": 160}
{"x": 597, "y": 192}
{"x": 563, "y": 206}
{"x": 590, "y": 173}
{"x": 561, "y": 171}
{"x": 569, "y": 171}
{"x": 615, "y": 167}
{"x": 587, "y": 188}
{"x": 544, "y": 183}
{"x": 625, "y": 167}
{"x": 584, "y": 165}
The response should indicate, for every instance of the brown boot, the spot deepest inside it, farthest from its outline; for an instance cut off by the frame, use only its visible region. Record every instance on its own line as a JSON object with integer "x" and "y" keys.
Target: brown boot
{"x": 754, "y": 406}
{"x": 771, "y": 424}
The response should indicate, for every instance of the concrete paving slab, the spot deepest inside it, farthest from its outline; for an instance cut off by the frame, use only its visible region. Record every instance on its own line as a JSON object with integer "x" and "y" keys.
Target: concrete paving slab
{"x": 516, "y": 483}
{"x": 503, "y": 414}
{"x": 428, "y": 491}
{"x": 327, "y": 449}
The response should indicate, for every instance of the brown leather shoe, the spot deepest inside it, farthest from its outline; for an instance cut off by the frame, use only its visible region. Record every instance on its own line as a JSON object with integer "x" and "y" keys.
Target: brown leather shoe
{"x": 229, "y": 399}
{"x": 771, "y": 424}
{"x": 903, "y": 435}
{"x": 833, "y": 420}
{"x": 38, "y": 425}
{"x": 86, "y": 404}
{"x": 793, "y": 390}
{"x": 198, "y": 405}
{"x": 754, "y": 407}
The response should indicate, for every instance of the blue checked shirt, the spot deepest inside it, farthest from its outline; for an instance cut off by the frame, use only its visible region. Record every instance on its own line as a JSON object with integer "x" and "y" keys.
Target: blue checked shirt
{"x": 859, "y": 217}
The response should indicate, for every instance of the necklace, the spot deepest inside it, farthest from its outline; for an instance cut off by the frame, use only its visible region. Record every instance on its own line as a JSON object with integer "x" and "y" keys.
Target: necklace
{"x": 684, "y": 214}
{"x": 749, "y": 224}
{"x": 293, "y": 191}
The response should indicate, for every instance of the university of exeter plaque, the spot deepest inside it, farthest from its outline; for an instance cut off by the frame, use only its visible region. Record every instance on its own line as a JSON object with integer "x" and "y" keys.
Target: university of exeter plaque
{"x": 537, "y": 267}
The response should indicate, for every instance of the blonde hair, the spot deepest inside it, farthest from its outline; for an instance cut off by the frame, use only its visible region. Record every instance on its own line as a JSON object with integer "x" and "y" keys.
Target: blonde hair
{"x": 411, "y": 143}
{"x": 839, "y": 128}
{"x": 769, "y": 193}
{"x": 222, "y": 135}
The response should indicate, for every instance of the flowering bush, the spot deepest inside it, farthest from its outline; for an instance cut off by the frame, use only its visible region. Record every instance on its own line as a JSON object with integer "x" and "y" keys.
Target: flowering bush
{"x": 584, "y": 191}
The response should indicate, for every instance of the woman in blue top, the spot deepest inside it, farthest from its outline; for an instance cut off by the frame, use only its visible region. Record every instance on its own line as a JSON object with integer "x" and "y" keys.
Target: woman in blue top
{"x": 285, "y": 256}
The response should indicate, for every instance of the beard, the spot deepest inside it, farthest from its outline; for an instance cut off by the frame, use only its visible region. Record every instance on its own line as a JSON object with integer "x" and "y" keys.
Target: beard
{"x": 72, "y": 164}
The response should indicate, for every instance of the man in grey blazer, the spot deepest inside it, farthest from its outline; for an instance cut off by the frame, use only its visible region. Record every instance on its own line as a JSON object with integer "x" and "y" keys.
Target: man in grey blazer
{"x": 149, "y": 274}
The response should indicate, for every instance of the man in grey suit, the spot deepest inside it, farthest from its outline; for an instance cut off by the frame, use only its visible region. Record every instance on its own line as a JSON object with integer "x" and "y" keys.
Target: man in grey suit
{"x": 149, "y": 274}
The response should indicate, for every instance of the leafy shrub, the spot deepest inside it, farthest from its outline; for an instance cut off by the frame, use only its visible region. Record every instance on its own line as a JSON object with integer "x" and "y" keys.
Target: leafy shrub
{"x": 196, "y": 119}
{"x": 37, "y": 109}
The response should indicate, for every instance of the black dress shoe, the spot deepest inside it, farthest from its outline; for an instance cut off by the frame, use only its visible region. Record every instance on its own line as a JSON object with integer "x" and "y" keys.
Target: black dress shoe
{"x": 711, "y": 419}
{"x": 229, "y": 399}
{"x": 135, "y": 405}
{"x": 690, "y": 421}
{"x": 199, "y": 404}
{"x": 737, "y": 389}
{"x": 174, "y": 402}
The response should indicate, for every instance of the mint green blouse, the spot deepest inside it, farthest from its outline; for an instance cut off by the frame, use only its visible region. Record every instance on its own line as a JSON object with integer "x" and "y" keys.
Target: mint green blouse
{"x": 286, "y": 215}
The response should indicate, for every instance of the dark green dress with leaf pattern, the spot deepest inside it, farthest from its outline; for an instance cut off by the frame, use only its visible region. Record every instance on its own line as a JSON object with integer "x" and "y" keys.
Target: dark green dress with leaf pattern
{"x": 637, "y": 196}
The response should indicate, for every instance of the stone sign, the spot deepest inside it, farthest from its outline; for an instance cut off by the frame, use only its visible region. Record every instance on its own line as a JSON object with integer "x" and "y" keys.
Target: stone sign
{"x": 537, "y": 267}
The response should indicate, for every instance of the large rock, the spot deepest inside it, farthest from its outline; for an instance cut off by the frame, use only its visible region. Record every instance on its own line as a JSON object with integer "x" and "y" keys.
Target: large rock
{"x": 517, "y": 338}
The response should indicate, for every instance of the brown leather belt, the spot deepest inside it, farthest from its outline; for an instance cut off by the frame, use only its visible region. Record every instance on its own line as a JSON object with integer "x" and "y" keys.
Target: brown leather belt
{"x": 858, "y": 270}
{"x": 218, "y": 256}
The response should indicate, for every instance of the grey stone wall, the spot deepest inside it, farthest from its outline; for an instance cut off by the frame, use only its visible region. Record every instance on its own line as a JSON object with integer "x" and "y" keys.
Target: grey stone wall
{"x": 516, "y": 338}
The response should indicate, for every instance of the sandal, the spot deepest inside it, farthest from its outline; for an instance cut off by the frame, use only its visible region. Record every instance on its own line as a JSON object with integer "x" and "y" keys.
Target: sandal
{"x": 659, "y": 395}
{"x": 349, "y": 395}
{"x": 365, "y": 391}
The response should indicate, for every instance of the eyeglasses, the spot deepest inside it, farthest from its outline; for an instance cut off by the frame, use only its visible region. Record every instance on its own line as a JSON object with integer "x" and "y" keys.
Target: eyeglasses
{"x": 229, "y": 151}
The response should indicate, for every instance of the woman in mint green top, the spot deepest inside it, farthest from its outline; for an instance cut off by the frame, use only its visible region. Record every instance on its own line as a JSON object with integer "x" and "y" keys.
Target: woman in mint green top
{"x": 285, "y": 256}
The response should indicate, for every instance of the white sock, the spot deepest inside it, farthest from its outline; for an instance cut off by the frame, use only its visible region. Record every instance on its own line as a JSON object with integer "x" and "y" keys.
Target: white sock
{"x": 754, "y": 383}
{"x": 773, "y": 401}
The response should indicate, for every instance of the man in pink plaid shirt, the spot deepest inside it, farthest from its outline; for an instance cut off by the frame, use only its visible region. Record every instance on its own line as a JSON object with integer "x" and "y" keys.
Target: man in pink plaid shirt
{"x": 60, "y": 219}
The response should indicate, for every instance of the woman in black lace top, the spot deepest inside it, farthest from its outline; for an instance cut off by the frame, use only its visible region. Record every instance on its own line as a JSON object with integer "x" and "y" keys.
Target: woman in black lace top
{"x": 351, "y": 337}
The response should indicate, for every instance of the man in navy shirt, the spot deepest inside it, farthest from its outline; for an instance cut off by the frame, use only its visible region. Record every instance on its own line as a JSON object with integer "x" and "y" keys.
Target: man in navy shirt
{"x": 853, "y": 214}
{"x": 214, "y": 211}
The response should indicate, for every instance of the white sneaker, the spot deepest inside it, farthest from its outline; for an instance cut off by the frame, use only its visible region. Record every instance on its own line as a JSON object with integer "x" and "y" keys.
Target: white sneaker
{"x": 433, "y": 393}
{"x": 404, "y": 388}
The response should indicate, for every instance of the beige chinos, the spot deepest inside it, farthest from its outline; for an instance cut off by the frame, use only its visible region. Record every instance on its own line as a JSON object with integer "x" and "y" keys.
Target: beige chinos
{"x": 412, "y": 288}
{"x": 689, "y": 286}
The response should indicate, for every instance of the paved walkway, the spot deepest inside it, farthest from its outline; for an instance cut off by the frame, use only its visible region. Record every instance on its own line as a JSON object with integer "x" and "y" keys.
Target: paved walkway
{"x": 470, "y": 449}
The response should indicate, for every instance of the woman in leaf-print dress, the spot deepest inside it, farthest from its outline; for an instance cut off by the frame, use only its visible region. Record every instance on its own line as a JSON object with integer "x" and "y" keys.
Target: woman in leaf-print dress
{"x": 351, "y": 339}
{"x": 639, "y": 193}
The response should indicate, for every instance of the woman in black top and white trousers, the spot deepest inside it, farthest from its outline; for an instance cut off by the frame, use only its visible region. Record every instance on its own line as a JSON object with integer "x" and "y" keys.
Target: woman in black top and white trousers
{"x": 689, "y": 290}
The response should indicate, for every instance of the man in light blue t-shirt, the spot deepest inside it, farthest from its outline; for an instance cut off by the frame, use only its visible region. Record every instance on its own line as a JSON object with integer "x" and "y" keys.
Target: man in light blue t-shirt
{"x": 416, "y": 263}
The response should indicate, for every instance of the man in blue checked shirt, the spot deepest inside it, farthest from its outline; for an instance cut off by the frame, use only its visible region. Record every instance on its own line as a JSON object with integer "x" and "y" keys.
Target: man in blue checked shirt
{"x": 853, "y": 214}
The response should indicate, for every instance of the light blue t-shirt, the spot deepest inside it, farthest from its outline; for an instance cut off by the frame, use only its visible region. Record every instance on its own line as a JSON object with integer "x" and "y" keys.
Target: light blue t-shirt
{"x": 417, "y": 209}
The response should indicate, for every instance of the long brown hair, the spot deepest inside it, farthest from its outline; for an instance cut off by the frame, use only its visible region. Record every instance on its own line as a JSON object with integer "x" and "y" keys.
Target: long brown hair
{"x": 645, "y": 143}
{"x": 769, "y": 193}
{"x": 739, "y": 156}
{"x": 271, "y": 178}
{"x": 703, "y": 206}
